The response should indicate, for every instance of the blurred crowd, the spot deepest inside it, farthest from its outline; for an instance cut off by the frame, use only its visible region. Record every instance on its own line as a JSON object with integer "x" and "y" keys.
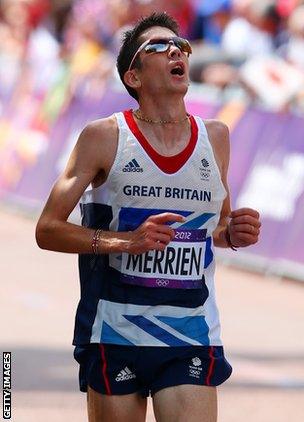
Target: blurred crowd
{"x": 250, "y": 50}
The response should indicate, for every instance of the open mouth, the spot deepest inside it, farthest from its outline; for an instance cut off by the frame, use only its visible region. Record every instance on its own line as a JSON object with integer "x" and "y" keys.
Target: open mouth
{"x": 178, "y": 70}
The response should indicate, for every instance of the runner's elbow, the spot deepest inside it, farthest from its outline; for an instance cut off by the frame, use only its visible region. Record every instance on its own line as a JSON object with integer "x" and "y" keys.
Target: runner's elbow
{"x": 44, "y": 231}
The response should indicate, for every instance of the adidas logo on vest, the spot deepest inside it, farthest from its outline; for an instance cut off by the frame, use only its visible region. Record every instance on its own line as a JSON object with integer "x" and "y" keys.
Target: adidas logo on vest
{"x": 125, "y": 375}
{"x": 132, "y": 166}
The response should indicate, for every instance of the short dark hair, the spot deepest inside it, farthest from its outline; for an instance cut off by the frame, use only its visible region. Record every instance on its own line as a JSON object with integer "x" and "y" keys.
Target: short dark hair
{"x": 131, "y": 42}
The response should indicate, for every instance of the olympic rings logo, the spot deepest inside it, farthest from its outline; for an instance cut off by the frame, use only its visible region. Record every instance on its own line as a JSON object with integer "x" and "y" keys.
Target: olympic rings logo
{"x": 162, "y": 282}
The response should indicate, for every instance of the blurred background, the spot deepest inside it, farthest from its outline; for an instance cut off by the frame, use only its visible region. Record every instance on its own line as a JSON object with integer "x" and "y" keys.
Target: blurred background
{"x": 57, "y": 72}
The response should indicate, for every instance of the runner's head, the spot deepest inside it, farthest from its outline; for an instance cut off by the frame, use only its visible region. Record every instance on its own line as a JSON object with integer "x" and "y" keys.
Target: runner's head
{"x": 157, "y": 33}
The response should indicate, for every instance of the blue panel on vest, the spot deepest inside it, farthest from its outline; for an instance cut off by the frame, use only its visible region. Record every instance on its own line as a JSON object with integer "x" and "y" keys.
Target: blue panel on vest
{"x": 92, "y": 273}
{"x": 131, "y": 218}
{"x": 156, "y": 331}
{"x": 197, "y": 222}
{"x": 108, "y": 335}
{"x": 208, "y": 253}
{"x": 194, "y": 327}
{"x": 96, "y": 215}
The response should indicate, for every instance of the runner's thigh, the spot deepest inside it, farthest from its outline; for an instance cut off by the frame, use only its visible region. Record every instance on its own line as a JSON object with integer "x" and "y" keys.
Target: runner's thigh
{"x": 118, "y": 408}
{"x": 191, "y": 403}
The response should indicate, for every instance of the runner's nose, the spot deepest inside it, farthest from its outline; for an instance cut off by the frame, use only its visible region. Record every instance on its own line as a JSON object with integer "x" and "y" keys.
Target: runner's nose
{"x": 174, "y": 51}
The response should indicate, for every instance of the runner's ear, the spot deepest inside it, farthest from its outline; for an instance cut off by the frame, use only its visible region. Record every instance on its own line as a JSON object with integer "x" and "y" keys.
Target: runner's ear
{"x": 131, "y": 79}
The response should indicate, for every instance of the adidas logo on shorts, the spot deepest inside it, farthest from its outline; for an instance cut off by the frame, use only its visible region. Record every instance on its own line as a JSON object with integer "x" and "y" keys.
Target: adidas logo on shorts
{"x": 133, "y": 166}
{"x": 125, "y": 375}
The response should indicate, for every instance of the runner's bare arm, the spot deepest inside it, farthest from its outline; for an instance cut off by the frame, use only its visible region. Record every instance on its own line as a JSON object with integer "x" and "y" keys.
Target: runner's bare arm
{"x": 243, "y": 225}
{"x": 86, "y": 163}
{"x": 90, "y": 162}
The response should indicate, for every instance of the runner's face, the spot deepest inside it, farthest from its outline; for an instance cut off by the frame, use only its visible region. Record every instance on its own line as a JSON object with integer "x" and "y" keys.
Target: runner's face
{"x": 166, "y": 72}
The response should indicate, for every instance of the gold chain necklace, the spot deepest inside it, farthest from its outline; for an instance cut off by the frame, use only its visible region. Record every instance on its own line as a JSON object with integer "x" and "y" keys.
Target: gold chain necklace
{"x": 162, "y": 122}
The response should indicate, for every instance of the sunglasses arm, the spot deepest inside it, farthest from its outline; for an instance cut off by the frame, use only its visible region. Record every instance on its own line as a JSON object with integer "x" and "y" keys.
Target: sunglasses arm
{"x": 140, "y": 48}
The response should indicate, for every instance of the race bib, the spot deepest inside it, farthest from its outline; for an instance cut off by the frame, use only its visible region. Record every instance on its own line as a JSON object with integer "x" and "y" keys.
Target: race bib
{"x": 180, "y": 265}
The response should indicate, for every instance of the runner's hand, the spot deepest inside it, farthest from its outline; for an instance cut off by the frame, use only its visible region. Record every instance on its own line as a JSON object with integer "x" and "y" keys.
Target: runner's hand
{"x": 244, "y": 227}
{"x": 154, "y": 233}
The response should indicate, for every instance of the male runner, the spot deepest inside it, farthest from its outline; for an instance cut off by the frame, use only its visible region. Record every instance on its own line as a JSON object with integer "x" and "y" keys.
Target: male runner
{"x": 147, "y": 322}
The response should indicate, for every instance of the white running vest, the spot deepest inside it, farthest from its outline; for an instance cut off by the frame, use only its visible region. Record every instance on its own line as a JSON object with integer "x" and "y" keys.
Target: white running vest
{"x": 169, "y": 297}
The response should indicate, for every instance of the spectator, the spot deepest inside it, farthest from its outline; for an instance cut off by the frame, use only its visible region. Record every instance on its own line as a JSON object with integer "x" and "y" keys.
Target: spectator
{"x": 212, "y": 16}
{"x": 44, "y": 43}
{"x": 251, "y": 32}
{"x": 295, "y": 45}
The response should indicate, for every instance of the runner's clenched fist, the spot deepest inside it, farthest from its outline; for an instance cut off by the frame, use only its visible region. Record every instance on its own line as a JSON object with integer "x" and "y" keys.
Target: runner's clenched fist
{"x": 244, "y": 227}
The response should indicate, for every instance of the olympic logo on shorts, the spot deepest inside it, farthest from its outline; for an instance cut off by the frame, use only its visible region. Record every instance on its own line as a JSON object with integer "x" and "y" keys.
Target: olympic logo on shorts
{"x": 162, "y": 282}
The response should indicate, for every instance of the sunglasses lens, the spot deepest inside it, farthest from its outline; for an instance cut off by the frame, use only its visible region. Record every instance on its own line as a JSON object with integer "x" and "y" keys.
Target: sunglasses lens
{"x": 183, "y": 45}
{"x": 156, "y": 48}
{"x": 160, "y": 46}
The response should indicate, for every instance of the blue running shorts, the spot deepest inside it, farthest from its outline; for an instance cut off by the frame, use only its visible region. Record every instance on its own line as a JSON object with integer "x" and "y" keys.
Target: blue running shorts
{"x": 115, "y": 369}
